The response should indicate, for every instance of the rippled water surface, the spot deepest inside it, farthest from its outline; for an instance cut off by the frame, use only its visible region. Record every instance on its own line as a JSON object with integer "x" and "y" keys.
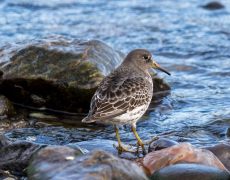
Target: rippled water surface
{"x": 191, "y": 42}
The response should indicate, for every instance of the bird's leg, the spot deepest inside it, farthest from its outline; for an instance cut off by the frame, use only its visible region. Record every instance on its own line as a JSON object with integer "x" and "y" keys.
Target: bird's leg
{"x": 120, "y": 147}
{"x": 139, "y": 141}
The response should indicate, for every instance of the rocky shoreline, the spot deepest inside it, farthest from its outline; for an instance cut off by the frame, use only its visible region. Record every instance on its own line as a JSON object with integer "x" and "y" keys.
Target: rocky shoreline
{"x": 61, "y": 75}
{"x": 181, "y": 161}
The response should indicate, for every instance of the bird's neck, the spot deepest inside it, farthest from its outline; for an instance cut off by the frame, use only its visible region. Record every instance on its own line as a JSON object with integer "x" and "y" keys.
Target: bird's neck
{"x": 135, "y": 69}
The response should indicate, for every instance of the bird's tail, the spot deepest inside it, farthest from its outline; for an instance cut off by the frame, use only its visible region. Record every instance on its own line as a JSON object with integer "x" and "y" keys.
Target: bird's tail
{"x": 87, "y": 120}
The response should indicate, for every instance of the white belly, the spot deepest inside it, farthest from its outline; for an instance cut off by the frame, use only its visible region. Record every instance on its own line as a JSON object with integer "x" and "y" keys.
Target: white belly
{"x": 130, "y": 117}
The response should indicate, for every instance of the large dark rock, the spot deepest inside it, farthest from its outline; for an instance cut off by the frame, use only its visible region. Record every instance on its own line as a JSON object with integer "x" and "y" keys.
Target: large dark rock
{"x": 59, "y": 163}
{"x": 222, "y": 151}
{"x": 58, "y": 73}
{"x": 190, "y": 172}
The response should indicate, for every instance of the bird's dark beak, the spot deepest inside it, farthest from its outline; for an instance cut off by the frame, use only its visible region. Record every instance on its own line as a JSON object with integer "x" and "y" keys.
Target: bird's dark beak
{"x": 157, "y": 66}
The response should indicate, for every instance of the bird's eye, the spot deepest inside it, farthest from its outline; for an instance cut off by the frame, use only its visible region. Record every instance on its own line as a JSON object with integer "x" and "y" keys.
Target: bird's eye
{"x": 145, "y": 57}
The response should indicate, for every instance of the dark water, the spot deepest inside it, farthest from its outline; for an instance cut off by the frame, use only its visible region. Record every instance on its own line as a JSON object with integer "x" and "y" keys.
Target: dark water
{"x": 191, "y": 42}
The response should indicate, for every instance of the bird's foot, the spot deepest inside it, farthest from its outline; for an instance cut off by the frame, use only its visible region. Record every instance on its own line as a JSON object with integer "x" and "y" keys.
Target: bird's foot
{"x": 124, "y": 148}
{"x": 142, "y": 145}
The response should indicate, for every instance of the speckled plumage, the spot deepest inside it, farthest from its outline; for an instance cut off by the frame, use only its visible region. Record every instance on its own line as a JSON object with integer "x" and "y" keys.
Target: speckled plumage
{"x": 122, "y": 97}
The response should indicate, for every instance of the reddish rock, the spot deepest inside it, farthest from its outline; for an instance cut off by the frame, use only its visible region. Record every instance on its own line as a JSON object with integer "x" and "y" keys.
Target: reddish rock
{"x": 181, "y": 153}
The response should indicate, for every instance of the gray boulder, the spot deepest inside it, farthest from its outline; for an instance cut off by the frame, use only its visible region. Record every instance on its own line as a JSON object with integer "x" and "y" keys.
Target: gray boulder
{"x": 61, "y": 164}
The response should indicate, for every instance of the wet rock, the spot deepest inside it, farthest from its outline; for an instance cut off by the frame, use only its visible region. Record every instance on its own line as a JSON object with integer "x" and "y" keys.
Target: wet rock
{"x": 92, "y": 145}
{"x": 222, "y": 151}
{"x": 59, "y": 164}
{"x": 50, "y": 160}
{"x": 213, "y": 6}
{"x": 105, "y": 145}
{"x": 15, "y": 156}
{"x": 181, "y": 153}
{"x": 161, "y": 143}
{"x": 190, "y": 172}
{"x": 6, "y": 108}
{"x": 57, "y": 73}
{"x": 60, "y": 74}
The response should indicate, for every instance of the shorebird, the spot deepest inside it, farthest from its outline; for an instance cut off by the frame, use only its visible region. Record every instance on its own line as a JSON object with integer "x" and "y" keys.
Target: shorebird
{"x": 125, "y": 94}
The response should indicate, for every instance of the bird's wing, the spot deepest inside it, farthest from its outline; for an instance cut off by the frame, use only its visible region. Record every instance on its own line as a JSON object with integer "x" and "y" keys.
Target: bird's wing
{"x": 116, "y": 96}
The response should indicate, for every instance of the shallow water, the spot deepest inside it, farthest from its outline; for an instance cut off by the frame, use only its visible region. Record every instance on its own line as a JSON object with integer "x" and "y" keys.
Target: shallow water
{"x": 191, "y": 42}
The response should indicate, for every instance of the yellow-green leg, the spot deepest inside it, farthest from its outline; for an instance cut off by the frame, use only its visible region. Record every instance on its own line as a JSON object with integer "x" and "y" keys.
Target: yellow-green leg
{"x": 120, "y": 147}
{"x": 139, "y": 141}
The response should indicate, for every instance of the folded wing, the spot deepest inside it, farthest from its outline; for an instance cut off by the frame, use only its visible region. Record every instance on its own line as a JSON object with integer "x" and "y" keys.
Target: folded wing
{"x": 117, "y": 96}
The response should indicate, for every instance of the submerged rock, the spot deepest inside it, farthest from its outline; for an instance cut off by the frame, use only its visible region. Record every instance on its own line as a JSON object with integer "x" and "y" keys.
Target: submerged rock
{"x": 51, "y": 163}
{"x": 59, "y": 73}
{"x": 181, "y": 153}
{"x": 190, "y": 172}
{"x": 213, "y": 6}
{"x": 222, "y": 151}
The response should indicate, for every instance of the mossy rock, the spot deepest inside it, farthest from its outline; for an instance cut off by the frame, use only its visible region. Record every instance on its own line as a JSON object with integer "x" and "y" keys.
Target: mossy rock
{"x": 59, "y": 73}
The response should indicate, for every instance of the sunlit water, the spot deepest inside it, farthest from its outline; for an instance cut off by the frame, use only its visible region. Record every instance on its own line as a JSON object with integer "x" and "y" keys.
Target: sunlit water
{"x": 191, "y": 42}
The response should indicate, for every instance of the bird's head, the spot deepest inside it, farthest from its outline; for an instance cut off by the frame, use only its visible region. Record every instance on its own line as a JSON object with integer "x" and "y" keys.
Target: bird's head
{"x": 142, "y": 59}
